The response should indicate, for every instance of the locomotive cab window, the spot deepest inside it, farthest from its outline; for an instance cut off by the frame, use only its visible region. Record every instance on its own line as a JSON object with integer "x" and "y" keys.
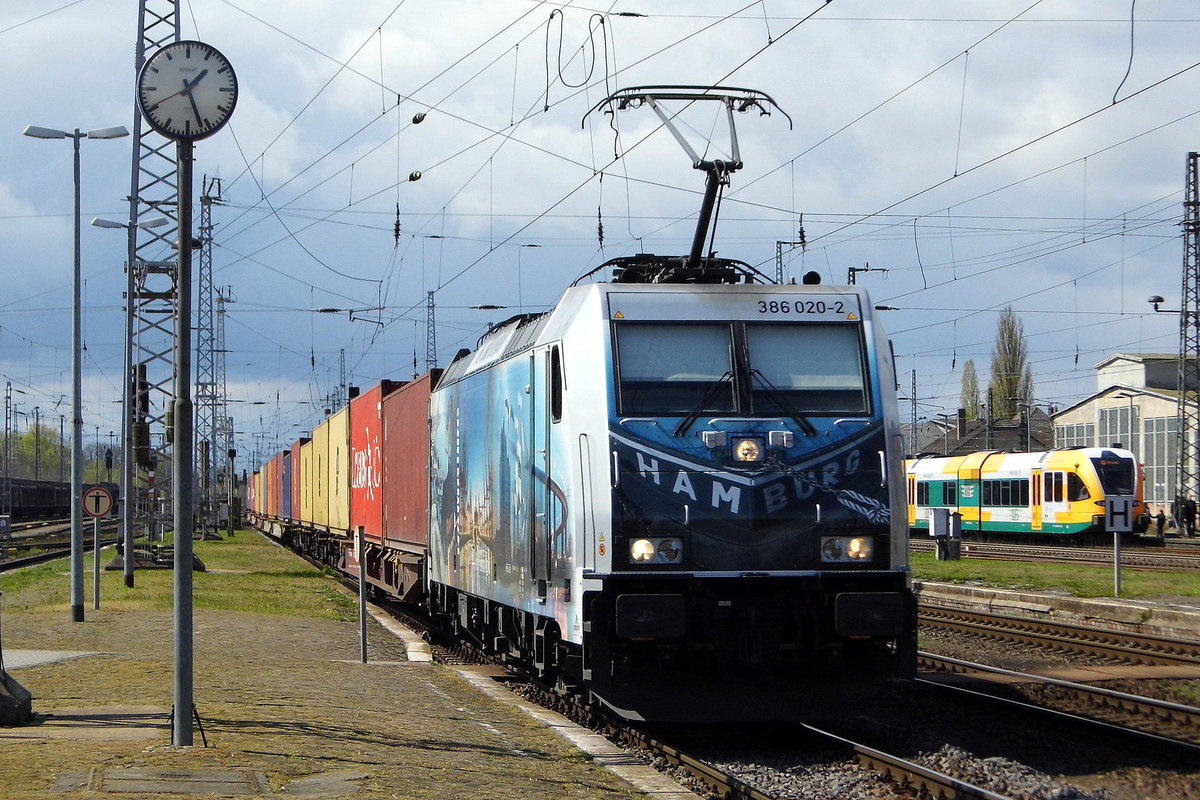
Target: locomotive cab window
{"x": 675, "y": 369}
{"x": 807, "y": 368}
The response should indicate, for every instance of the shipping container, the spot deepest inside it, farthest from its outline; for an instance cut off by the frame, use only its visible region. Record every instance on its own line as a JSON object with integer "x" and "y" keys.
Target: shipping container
{"x": 338, "y": 466}
{"x": 366, "y": 460}
{"x": 307, "y": 477}
{"x": 252, "y": 496}
{"x": 318, "y": 483}
{"x": 406, "y": 463}
{"x": 297, "y": 477}
{"x": 285, "y": 510}
{"x": 275, "y": 486}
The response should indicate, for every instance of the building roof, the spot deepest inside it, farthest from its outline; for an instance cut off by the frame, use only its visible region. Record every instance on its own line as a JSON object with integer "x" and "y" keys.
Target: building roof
{"x": 1165, "y": 394}
{"x": 1140, "y": 358}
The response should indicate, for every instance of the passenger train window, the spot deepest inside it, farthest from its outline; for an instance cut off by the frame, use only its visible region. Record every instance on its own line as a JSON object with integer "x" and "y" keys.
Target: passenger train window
{"x": 1054, "y": 487}
{"x": 810, "y": 368}
{"x": 675, "y": 368}
{"x": 1076, "y": 490}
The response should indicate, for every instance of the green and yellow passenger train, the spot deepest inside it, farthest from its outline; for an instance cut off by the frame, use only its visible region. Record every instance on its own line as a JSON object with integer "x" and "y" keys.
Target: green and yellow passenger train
{"x": 1058, "y": 493}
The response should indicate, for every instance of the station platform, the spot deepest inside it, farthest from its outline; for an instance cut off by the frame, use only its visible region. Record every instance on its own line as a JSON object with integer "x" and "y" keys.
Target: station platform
{"x": 1171, "y": 617}
{"x": 285, "y": 705}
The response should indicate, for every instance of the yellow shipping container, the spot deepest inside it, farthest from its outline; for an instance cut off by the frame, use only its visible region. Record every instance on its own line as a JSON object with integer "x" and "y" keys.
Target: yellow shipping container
{"x": 319, "y": 485}
{"x": 306, "y": 482}
{"x": 338, "y": 483}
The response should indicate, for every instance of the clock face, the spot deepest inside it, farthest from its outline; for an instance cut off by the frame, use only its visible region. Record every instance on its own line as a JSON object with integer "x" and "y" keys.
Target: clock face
{"x": 187, "y": 90}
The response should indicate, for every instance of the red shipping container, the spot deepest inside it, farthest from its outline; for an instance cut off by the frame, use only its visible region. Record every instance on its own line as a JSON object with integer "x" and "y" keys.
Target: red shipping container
{"x": 406, "y": 463}
{"x": 366, "y": 460}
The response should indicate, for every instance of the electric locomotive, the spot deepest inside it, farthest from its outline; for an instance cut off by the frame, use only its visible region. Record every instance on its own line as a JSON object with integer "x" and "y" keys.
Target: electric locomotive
{"x": 685, "y": 498}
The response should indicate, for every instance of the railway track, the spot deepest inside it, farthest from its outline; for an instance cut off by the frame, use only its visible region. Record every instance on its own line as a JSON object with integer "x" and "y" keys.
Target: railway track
{"x": 1118, "y": 646}
{"x": 1121, "y": 647}
{"x": 1165, "y": 723}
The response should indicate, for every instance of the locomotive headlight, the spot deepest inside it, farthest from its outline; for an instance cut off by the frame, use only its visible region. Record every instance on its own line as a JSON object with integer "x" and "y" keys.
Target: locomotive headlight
{"x": 847, "y": 548}
{"x": 670, "y": 550}
{"x": 747, "y": 450}
{"x": 641, "y": 550}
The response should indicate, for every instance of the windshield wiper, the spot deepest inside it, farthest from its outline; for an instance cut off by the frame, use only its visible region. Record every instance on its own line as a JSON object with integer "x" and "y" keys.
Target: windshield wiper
{"x": 776, "y": 397}
{"x": 686, "y": 423}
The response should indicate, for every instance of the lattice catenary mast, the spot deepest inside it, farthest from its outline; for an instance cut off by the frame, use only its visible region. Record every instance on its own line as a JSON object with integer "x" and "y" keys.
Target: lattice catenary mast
{"x": 1189, "y": 338}
{"x": 150, "y": 301}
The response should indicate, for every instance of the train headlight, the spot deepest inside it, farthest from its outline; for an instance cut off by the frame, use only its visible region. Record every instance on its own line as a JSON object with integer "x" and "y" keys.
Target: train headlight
{"x": 668, "y": 550}
{"x": 747, "y": 450}
{"x": 641, "y": 550}
{"x": 843, "y": 549}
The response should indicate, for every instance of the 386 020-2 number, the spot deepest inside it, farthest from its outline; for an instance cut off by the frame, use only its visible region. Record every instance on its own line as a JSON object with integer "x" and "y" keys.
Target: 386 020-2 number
{"x": 800, "y": 307}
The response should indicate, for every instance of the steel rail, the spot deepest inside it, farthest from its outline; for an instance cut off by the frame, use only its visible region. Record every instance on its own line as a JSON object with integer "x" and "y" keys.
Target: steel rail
{"x": 1185, "y": 717}
{"x": 1119, "y": 645}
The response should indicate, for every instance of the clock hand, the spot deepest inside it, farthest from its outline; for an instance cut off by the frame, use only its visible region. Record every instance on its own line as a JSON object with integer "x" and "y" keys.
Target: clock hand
{"x": 195, "y": 108}
{"x": 187, "y": 87}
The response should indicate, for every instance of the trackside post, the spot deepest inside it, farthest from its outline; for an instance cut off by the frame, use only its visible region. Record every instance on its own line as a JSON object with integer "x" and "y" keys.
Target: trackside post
{"x": 362, "y": 596}
{"x": 1118, "y": 518}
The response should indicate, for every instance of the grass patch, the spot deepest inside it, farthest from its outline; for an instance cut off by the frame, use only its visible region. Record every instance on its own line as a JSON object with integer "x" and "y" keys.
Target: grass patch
{"x": 246, "y": 573}
{"x": 1072, "y": 579}
{"x": 1189, "y": 691}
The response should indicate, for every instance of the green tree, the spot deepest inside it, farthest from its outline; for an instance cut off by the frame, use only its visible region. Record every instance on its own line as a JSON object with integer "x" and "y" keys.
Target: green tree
{"x": 969, "y": 396}
{"x": 1012, "y": 377}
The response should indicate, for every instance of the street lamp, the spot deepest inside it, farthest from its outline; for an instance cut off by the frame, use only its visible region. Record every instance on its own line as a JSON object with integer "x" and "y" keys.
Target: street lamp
{"x": 128, "y": 401}
{"x": 76, "y": 368}
{"x": 1029, "y": 407}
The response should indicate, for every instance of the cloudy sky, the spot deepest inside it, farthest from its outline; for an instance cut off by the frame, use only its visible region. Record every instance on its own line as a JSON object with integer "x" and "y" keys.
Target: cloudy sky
{"x": 984, "y": 154}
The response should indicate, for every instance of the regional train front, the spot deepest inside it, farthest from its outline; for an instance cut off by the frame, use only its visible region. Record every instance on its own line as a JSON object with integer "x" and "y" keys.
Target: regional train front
{"x": 756, "y": 536}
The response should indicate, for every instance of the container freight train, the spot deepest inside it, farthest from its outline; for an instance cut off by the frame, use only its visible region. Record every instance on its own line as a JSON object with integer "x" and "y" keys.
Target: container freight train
{"x": 681, "y": 499}
{"x": 1059, "y": 494}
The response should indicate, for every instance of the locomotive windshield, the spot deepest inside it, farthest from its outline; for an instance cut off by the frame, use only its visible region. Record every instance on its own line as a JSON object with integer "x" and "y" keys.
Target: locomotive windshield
{"x": 683, "y": 368}
{"x": 670, "y": 369}
{"x": 1116, "y": 474}
{"x": 814, "y": 368}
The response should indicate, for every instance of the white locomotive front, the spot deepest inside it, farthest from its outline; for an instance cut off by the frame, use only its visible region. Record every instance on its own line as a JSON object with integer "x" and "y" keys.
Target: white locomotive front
{"x": 658, "y": 486}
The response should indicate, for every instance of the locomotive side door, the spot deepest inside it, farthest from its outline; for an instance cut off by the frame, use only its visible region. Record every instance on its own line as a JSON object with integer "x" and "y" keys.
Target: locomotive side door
{"x": 540, "y": 520}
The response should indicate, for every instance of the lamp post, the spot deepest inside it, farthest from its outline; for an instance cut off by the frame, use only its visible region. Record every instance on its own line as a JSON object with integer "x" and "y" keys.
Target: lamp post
{"x": 1028, "y": 409}
{"x": 76, "y": 368}
{"x": 128, "y": 403}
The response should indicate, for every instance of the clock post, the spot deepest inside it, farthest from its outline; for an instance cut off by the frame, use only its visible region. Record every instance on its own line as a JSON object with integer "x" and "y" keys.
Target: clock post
{"x": 186, "y": 91}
